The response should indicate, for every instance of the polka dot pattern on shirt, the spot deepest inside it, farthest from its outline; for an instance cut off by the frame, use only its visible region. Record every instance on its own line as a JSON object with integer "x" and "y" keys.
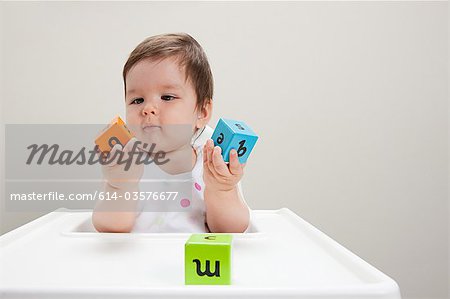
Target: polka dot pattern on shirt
{"x": 185, "y": 202}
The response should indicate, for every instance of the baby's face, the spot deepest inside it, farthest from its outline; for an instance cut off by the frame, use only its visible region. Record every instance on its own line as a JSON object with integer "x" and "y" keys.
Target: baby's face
{"x": 160, "y": 104}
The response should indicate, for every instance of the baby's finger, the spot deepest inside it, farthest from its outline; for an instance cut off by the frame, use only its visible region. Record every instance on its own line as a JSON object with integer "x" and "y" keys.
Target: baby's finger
{"x": 219, "y": 164}
{"x": 213, "y": 171}
{"x": 113, "y": 156}
{"x": 206, "y": 160}
{"x": 129, "y": 146}
{"x": 210, "y": 150}
{"x": 207, "y": 148}
{"x": 211, "y": 168}
{"x": 132, "y": 149}
{"x": 206, "y": 169}
{"x": 101, "y": 155}
{"x": 235, "y": 166}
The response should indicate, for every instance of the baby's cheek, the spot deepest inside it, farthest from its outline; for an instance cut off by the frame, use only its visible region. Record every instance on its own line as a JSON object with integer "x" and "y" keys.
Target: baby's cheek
{"x": 133, "y": 126}
{"x": 139, "y": 135}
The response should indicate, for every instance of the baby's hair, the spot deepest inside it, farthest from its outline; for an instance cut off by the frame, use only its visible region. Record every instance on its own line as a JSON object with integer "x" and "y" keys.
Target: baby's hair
{"x": 189, "y": 55}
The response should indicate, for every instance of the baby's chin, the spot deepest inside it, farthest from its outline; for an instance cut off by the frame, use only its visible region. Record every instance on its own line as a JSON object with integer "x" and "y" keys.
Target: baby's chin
{"x": 166, "y": 145}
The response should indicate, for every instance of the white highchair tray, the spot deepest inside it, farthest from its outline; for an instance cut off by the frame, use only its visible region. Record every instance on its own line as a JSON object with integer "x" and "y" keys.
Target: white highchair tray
{"x": 60, "y": 255}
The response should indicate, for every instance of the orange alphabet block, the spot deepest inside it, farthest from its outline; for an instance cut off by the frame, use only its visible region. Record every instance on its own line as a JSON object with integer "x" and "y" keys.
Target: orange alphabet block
{"x": 115, "y": 132}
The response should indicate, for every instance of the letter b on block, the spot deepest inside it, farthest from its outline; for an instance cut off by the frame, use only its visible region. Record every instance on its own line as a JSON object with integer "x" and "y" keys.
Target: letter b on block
{"x": 207, "y": 259}
{"x": 235, "y": 134}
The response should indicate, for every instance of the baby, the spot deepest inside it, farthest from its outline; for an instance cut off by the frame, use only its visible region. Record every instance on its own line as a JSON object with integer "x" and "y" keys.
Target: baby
{"x": 168, "y": 98}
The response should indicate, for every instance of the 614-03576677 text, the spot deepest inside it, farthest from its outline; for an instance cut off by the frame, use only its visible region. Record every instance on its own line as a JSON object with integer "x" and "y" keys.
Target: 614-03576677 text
{"x": 98, "y": 195}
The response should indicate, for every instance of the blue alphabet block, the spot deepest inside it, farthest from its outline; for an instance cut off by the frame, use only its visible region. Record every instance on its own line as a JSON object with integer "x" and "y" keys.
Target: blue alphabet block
{"x": 235, "y": 134}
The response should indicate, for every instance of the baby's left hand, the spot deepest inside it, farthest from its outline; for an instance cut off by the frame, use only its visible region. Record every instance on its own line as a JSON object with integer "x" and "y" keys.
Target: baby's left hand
{"x": 217, "y": 175}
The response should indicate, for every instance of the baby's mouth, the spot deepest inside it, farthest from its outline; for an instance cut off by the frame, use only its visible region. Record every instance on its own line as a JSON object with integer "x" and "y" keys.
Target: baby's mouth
{"x": 151, "y": 128}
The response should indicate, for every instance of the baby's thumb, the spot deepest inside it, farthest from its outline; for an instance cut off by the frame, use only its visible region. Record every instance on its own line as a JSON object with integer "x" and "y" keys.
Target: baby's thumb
{"x": 112, "y": 158}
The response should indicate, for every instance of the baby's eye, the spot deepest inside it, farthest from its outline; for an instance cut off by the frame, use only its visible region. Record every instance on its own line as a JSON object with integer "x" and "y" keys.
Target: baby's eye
{"x": 137, "y": 101}
{"x": 167, "y": 98}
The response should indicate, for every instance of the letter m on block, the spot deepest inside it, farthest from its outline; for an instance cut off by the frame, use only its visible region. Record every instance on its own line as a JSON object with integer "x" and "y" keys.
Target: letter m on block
{"x": 207, "y": 271}
{"x": 208, "y": 259}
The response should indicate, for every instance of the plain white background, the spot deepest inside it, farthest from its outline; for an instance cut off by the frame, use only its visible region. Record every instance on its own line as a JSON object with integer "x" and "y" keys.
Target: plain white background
{"x": 350, "y": 100}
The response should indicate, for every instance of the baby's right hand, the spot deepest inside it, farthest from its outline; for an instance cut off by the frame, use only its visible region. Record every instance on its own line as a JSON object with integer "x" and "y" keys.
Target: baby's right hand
{"x": 119, "y": 170}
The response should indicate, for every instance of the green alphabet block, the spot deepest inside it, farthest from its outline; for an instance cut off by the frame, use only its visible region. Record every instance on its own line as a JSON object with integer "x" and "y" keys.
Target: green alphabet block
{"x": 207, "y": 259}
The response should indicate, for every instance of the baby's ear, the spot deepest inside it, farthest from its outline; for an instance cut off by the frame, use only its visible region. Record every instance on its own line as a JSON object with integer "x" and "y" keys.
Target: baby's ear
{"x": 205, "y": 113}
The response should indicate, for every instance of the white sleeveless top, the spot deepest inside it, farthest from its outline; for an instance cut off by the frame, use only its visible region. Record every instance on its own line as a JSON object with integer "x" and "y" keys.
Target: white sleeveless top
{"x": 184, "y": 214}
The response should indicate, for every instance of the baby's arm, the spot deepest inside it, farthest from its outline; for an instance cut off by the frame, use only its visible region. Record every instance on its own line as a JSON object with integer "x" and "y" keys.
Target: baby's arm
{"x": 118, "y": 215}
{"x": 115, "y": 216}
{"x": 226, "y": 211}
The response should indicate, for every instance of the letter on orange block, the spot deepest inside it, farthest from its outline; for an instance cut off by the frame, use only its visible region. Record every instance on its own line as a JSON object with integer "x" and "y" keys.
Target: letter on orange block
{"x": 115, "y": 132}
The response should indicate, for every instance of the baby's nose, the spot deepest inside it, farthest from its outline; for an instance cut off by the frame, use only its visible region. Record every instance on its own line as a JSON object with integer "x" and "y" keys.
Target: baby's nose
{"x": 149, "y": 109}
